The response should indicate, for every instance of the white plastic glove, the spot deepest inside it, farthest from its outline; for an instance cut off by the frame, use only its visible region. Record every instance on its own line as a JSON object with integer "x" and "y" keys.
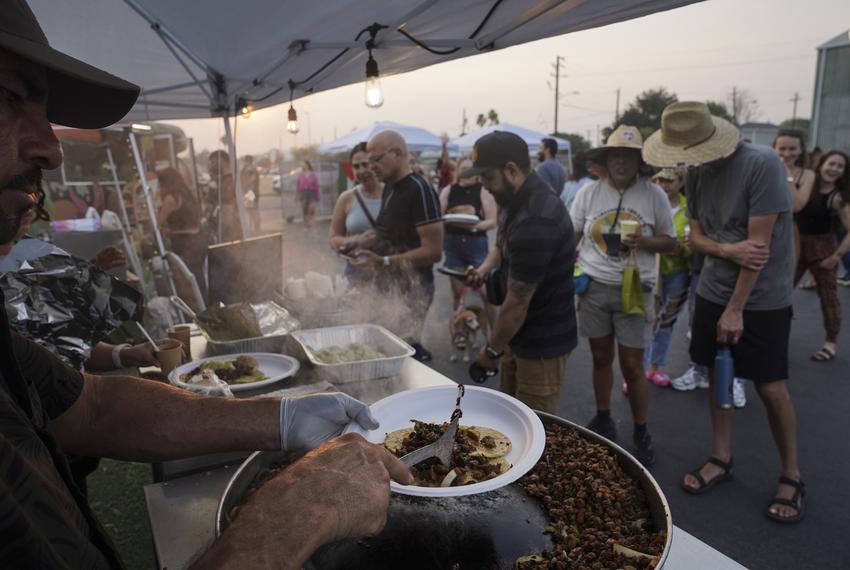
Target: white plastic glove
{"x": 308, "y": 421}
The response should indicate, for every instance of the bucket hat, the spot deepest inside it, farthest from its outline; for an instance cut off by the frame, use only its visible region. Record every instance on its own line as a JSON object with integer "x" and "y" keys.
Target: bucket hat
{"x": 689, "y": 136}
{"x": 79, "y": 95}
{"x": 624, "y": 136}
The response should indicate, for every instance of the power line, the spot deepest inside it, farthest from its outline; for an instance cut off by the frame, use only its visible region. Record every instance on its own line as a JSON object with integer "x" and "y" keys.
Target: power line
{"x": 689, "y": 67}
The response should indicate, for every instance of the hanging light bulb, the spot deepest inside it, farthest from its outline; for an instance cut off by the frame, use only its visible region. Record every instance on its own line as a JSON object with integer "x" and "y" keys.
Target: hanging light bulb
{"x": 374, "y": 94}
{"x": 245, "y": 109}
{"x": 292, "y": 123}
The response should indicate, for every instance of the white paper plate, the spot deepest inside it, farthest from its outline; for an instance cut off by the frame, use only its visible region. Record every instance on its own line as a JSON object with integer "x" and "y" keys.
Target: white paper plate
{"x": 275, "y": 366}
{"x": 461, "y": 219}
{"x": 481, "y": 407}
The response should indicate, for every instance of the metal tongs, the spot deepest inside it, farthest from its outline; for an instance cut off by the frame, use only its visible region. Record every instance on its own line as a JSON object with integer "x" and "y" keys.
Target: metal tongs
{"x": 442, "y": 448}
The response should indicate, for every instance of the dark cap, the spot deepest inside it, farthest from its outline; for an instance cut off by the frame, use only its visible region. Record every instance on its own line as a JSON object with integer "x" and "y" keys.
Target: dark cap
{"x": 79, "y": 95}
{"x": 495, "y": 150}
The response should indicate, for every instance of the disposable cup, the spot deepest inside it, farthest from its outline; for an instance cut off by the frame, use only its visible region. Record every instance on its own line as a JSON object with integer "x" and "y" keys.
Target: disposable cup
{"x": 629, "y": 227}
{"x": 183, "y": 333}
{"x": 169, "y": 352}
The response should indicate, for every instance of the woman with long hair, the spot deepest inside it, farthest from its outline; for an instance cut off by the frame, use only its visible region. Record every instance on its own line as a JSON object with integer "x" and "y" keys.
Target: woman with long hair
{"x": 820, "y": 252}
{"x": 308, "y": 193}
{"x": 180, "y": 213}
{"x": 356, "y": 210}
{"x": 791, "y": 148}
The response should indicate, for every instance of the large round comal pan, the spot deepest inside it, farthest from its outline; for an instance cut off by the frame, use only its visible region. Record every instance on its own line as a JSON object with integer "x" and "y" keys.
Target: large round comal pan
{"x": 485, "y": 531}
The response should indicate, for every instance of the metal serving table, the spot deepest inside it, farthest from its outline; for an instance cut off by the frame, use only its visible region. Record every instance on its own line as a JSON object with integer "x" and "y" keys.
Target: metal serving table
{"x": 182, "y": 509}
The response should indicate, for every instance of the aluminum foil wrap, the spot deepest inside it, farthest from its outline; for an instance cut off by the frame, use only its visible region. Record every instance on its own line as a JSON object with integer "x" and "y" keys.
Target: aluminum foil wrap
{"x": 63, "y": 302}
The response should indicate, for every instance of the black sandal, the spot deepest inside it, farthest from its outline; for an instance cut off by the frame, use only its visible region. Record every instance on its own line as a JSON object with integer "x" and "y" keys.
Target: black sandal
{"x": 797, "y": 502}
{"x": 707, "y": 485}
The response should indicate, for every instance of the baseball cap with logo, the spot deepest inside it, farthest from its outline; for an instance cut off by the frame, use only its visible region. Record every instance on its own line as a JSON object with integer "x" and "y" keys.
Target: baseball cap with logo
{"x": 79, "y": 95}
{"x": 495, "y": 150}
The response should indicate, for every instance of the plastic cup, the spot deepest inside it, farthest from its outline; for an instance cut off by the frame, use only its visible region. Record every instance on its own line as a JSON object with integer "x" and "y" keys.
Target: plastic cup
{"x": 183, "y": 333}
{"x": 169, "y": 352}
{"x": 628, "y": 227}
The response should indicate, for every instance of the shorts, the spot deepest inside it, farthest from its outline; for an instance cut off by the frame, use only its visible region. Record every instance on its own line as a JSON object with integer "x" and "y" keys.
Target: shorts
{"x": 463, "y": 250}
{"x": 536, "y": 382}
{"x": 600, "y": 314}
{"x": 761, "y": 354}
{"x": 308, "y": 196}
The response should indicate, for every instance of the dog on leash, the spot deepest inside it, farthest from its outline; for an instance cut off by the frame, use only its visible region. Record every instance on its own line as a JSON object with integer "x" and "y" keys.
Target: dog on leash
{"x": 465, "y": 327}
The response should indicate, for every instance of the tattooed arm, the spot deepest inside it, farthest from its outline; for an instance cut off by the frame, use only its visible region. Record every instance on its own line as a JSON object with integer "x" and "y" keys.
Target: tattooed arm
{"x": 511, "y": 314}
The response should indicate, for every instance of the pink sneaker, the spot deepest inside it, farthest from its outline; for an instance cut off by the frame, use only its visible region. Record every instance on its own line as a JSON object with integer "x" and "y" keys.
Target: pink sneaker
{"x": 625, "y": 388}
{"x": 659, "y": 378}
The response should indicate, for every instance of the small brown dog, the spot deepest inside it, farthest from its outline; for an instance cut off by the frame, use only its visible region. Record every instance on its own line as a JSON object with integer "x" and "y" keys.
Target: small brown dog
{"x": 464, "y": 329}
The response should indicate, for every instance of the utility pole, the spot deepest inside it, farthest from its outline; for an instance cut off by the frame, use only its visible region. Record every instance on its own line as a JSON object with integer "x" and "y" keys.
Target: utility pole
{"x": 735, "y": 104}
{"x": 617, "y": 108}
{"x": 589, "y": 140}
{"x": 598, "y": 136}
{"x": 794, "y": 99}
{"x": 557, "y": 75}
{"x": 464, "y": 123}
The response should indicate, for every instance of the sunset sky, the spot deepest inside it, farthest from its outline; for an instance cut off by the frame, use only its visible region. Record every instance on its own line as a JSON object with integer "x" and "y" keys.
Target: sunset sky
{"x": 702, "y": 51}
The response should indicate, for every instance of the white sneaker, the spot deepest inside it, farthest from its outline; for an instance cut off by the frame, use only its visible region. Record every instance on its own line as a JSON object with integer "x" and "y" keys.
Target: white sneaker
{"x": 739, "y": 395}
{"x": 689, "y": 380}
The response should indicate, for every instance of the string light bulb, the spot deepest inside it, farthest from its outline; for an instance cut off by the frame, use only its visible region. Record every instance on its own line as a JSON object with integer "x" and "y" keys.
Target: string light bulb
{"x": 245, "y": 109}
{"x": 374, "y": 93}
{"x": 292, "y": 122}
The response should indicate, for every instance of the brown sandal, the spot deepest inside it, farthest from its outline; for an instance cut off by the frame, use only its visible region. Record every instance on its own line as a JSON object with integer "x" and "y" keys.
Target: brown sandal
{"x": 797, "y": 502}
{"x": 704, "y": 485}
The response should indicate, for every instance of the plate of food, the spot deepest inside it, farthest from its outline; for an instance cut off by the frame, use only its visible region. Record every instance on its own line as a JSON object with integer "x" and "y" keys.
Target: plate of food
{"x": 461, "y": 219}
{"x": 499, "y": 438}
{"x": 242, "y": 372}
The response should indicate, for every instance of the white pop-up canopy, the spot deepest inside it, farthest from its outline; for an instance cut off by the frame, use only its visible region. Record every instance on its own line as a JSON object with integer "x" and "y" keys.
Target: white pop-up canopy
{"x": 199, "y": 59}
{"x": 531, "y": 138}
{"x": 417, "y": 139}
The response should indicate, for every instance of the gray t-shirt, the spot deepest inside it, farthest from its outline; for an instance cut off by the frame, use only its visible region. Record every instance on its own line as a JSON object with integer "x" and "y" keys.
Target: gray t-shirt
{"x": 553, "y": 174}
{"x": 722, "y": 197}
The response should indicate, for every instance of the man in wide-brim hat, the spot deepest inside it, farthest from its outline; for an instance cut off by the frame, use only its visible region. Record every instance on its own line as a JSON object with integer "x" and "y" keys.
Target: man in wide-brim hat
{"x": 625, "y": 220}
{"x": 739, "y": 212}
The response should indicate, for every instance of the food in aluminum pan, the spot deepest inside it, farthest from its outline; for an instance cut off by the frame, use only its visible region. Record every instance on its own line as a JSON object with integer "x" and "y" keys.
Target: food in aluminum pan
{"x": 354, "y": 352}
{"x": 243, "y": 369}
{"x": 599, "y": 515}
{"x": 477, "y": 455}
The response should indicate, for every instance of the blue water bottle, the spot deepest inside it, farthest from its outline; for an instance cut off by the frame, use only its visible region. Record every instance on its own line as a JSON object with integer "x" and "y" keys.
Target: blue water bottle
{"x": 724, "y": 374}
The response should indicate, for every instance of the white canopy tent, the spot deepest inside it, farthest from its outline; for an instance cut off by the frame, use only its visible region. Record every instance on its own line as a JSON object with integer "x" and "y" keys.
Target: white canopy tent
{"x": 531, "y": 138}
{"x": 205, "y": 59}
{"x": 417, "y": 139}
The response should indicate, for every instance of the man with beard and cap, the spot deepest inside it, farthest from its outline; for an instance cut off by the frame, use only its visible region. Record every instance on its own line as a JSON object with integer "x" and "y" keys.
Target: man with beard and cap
{"x": 625, "y": 220}
{"x": 409, "y": 234}
{"x": 739, "y": 211}
{"x": 47, "y": 409}
{"x": 534, "y": 252}
{"x": 549, "y": 169}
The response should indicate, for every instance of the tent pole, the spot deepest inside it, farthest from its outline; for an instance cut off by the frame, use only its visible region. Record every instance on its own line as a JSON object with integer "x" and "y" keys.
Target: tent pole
{"x": 132, "y": 253}
{"x": 237, "y": 179}
{"x": 140, "y": 167}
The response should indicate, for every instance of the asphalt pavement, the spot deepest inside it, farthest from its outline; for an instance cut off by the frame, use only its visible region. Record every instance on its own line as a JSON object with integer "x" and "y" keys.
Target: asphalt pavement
{"x": 729, "y": 518}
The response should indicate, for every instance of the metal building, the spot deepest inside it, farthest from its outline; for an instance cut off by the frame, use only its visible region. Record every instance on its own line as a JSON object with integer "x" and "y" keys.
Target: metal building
{"x": 830, "y": 127}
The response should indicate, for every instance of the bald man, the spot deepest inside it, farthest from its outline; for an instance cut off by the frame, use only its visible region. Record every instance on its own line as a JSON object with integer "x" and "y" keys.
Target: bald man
{"x": 409, "y": 233}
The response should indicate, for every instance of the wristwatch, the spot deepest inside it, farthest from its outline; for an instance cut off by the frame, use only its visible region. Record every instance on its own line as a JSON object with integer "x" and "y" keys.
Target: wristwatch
{"x": 493, "y": 354}
{"x": 386, "y": 261}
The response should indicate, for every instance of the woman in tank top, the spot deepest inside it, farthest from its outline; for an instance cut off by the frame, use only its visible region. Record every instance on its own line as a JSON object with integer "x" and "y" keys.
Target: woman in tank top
{"x": 790, "y": 147}
{"x": 356, "y": 210}
{"x": 465, "y": 245}
{"x": 827, "y": 202}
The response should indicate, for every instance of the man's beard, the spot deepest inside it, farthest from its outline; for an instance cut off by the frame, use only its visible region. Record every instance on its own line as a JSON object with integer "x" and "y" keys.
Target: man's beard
{"x": 541, "y": 157}
{"x": 505, "y": 197}
{"x": 10, "y": 222}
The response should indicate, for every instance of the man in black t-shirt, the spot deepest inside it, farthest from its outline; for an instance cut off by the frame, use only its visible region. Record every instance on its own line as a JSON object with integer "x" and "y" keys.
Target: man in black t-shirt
{"x": 535, "y": 251}
{"x": 409, "y": 233}
{"x": 338, "y": 490}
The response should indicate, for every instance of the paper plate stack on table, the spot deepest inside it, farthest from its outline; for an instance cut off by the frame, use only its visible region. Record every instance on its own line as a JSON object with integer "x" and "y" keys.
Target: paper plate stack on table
{"x": 465, "y": 220}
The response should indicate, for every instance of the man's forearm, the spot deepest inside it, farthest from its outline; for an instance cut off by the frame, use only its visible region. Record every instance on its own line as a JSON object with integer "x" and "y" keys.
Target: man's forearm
{"x": 657, "y": 244}
{"x": 139, "y": 420}
{"x": 743, "y": 287}
{"x": 512, "y": 314}
{"x": 419, "y": 257}
{"x": 707, "y": 246}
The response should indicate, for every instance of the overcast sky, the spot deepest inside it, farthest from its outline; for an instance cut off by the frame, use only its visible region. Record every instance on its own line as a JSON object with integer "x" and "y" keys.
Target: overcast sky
{"x": 702, "y": 51}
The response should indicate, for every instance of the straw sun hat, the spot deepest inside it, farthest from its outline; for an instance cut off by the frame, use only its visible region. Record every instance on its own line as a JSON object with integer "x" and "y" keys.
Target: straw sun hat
{"x": 624, "y": 136}
{"x": 689, "y": 136}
